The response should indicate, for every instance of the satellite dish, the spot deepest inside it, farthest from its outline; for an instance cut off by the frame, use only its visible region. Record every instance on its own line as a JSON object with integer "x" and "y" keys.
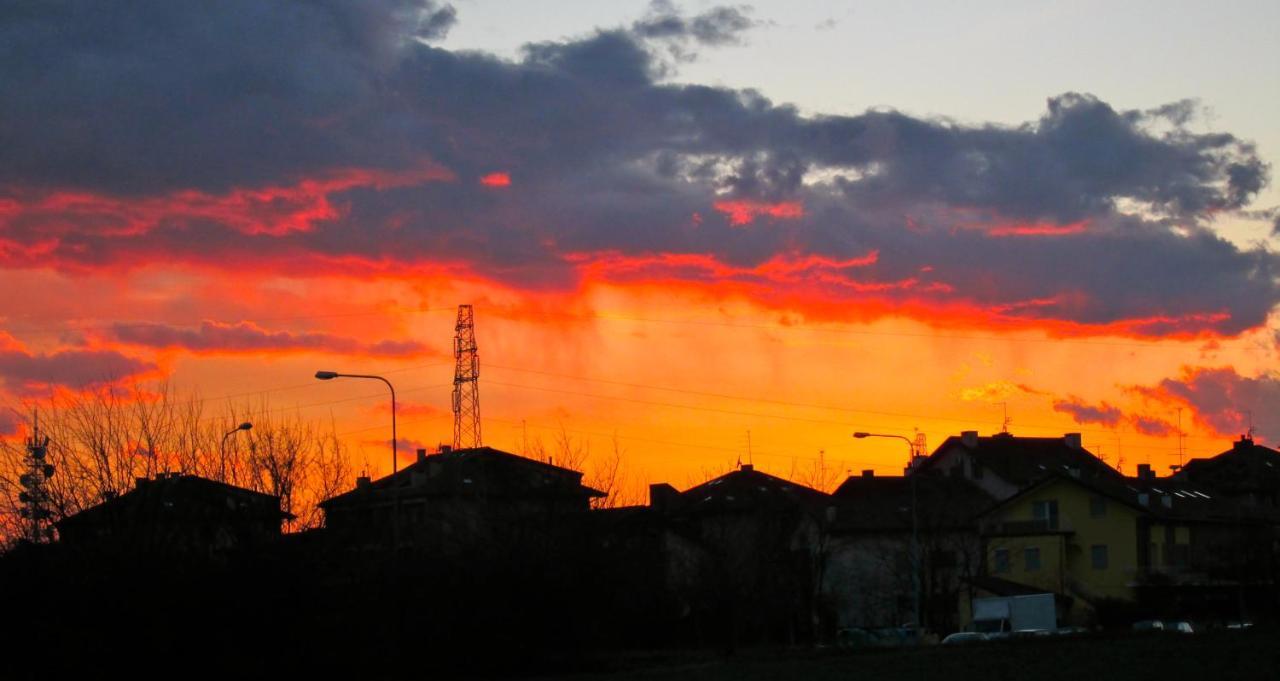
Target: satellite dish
{"x": 27, "y": 480}
{"x": 37, "y": 453}
{"x": 48, "y": 470}
{"x": 24, "y": 497}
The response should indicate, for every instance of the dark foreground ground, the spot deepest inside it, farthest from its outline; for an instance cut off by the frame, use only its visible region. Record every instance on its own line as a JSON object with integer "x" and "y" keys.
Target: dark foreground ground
{"x": 1212, "y": 656}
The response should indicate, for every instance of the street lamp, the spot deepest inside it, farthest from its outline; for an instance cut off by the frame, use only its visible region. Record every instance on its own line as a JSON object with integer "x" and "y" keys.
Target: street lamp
{"x": 915, "y": 523}
{"x": 330, "y": 375}
{"x": 222, "y": 449}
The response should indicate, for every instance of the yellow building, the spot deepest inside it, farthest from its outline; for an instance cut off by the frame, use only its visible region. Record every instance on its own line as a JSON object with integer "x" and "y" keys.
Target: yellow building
{"x": 1094, "y": 541}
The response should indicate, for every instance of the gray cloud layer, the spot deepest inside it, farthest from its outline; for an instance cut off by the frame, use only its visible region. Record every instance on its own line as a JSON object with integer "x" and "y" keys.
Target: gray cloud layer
{"x": 149, "y": 98}
{"x": 246, "y": 337}
{"x": 26, "y": 373}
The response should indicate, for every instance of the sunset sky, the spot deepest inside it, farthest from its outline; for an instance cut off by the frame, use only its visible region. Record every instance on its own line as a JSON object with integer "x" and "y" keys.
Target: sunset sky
{"x": 687, "y": 225}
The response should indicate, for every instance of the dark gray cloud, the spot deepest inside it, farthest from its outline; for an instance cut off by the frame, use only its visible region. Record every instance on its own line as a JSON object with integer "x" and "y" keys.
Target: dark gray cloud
{"x": 717, "y": 26}
{"x": 245, "y": 337}
{"x": 27, "y": 373}
{"x": 1226, "y": 401}
{"x": 1089, "y": 215}
{"x": 1153, "y": 426}
{"x": 1104, "y": 414}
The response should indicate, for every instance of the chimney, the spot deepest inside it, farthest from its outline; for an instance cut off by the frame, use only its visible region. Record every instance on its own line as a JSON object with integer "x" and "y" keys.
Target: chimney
{"x": 662, "y": 497}
{"x": 141, "y": 482}
{"x": 1072, "y": 440}
{"x": 969, "y": 438}
{"x": 868, "y": 473}
{"x": 746, "y": 467}
{"x": 1245, "y": 442}
{"x": 446, "y": 449}
{"x": 1145, "y": 472}
{"x": 363, "y": 482}
{"x": 422, "y": 454}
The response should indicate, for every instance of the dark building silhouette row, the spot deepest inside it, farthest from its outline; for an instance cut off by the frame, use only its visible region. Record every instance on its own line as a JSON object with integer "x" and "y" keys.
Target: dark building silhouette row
{"x": 752, "y": 557}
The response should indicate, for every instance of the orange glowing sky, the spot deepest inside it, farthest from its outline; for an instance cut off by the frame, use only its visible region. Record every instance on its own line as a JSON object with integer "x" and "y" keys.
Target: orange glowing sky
{"x": 699, "y": 273}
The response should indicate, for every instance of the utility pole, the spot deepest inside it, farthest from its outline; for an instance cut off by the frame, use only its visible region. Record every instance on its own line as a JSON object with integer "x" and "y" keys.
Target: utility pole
{"x": 466, "y": 381}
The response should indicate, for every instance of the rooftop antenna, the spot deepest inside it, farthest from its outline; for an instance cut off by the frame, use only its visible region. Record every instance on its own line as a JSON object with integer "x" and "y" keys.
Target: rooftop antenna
{"x": 1249, "y": 433}
{"x": 1004, "y": 424}
{"x": 466, "y": 381}
{"x": 749, "y": 457}
{"x": 1179, "y": 437}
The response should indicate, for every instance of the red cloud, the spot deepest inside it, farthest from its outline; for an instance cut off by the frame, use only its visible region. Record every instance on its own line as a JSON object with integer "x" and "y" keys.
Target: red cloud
{"x": 1038, "y": 229}
{"x": 272, "y": 210}
{"x": 743, "y": 212}
{"x": 496, "y": 180}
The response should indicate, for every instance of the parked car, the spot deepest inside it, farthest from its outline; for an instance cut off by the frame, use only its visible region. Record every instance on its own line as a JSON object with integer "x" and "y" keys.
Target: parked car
{"x": 964, "y": 637}
{"x": 1070, "y": 631}
{"x": 1149, "y": 625}
{"x": 1239, "y": 625}
{"x": 1182, "y": 627}
{"x": 1031, "y": 633}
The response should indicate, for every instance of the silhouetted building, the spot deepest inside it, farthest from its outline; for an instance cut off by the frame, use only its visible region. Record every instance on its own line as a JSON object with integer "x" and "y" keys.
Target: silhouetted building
{"x": 1003, "y": 464}
{"x": 459, "y": 500}
{"x": 743, "y": 553}
{"x": 871, "y": 564}
{"x": 1248, "y": 472}
{"x": 177, "y": 513}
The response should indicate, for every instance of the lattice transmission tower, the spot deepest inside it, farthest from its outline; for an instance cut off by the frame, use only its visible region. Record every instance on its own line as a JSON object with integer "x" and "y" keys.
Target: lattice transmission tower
{"x": 466, "y": 381}
{"x": 34, "y": 497}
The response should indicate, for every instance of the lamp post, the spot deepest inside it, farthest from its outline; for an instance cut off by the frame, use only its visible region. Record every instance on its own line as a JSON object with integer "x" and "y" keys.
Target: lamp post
{"x": 330, "y": 375}
{"x": 222, "y": 449}
{"x": 395, "y": 466}
{"x": 915, "y": 523}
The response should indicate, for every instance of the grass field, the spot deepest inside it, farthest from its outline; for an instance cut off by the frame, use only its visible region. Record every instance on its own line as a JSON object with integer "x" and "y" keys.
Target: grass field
{"x": 1213, "y": 656}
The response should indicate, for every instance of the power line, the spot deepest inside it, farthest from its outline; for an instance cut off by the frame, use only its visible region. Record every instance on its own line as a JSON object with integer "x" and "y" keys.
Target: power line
{"x": 919, "y": 417}
{"x": 190, "y": 322}
{"x": 856, "y": 332}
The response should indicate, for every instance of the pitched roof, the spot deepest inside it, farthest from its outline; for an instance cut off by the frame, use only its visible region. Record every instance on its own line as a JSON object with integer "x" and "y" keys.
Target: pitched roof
{"x": 884, "y": 503}
{"x": 1246, "y": 467}
{"x": 1023, "y": 460}
{"x": 747, "y": 489}
{"x": 181, "y": 493}
{"x": 1166, "y": 498}
{"x": 477, "y": 471}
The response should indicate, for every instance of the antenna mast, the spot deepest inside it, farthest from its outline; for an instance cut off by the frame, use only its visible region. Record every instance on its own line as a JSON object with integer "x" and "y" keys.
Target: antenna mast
{"x": 466, "y": 381}
{"x": 35, "y": 496}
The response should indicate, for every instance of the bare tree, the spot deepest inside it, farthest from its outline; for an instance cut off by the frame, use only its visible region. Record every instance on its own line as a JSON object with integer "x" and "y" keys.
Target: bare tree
{"x": 608, "y": 473}
{"x": 103, "y": 440}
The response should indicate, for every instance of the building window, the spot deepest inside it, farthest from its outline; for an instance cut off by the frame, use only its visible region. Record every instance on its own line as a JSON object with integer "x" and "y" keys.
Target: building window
{"x": 1098, "y": 552}
{"x": 1031, "y": 556}
{"x": 1046, "y": 512}
{"x": 1002, "y": 561}
{"x": 1097, "y": 506}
